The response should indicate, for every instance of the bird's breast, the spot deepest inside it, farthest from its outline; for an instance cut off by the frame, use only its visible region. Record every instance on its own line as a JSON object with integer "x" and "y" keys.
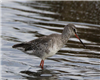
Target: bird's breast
{"x": 53, "y": 50}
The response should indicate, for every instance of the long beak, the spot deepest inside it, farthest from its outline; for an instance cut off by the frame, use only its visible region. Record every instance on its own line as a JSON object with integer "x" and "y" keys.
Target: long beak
{"x": 80, "y": 40}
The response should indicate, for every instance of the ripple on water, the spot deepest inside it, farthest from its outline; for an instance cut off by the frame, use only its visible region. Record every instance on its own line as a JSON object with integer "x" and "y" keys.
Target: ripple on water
{"x": 28, "y": 20}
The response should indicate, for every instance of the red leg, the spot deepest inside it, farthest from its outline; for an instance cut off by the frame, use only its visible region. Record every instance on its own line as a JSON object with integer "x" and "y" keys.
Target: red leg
{"x": 42, "y": 63}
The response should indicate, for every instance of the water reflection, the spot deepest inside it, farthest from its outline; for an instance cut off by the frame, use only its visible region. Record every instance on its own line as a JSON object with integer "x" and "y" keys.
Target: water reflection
{"x": 42, "y": 75}
{"x": 39, "y": 75}
{"x": 28, "y": 20}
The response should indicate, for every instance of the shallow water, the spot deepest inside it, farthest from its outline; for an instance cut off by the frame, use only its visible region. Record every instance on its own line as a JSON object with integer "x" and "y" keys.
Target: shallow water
{"x": 27, "y": 20}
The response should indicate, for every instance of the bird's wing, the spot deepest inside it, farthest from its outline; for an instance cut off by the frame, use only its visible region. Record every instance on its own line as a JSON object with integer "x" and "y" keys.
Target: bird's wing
{"x": 40, "y": 44}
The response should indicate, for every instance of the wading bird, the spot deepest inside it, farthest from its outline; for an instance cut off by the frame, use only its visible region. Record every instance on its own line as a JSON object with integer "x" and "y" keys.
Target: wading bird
{"x": 47, "y": 46}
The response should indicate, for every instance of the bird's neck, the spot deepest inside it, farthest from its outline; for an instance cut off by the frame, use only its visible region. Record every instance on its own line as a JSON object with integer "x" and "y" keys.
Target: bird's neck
{"x": 65, "y": 37}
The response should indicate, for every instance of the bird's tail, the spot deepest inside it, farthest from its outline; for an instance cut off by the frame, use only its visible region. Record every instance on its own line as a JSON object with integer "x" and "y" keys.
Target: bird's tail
{"x": 22, "y": 46}
{"x": 18, "y": 45}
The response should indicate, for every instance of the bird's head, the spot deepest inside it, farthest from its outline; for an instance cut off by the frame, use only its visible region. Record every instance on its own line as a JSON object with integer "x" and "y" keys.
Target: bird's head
{"x": 70, "y": 29}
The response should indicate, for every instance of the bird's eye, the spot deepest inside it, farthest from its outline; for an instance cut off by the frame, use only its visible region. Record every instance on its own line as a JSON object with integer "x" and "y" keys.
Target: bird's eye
{"x": 74, "y": 30}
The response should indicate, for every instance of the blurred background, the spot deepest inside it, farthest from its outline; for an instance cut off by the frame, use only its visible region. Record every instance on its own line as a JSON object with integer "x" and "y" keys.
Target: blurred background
{"x": 25, "y": 20}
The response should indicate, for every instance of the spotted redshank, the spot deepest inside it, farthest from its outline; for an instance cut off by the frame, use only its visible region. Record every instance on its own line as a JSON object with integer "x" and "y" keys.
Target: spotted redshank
{"x": 47, "y": 46}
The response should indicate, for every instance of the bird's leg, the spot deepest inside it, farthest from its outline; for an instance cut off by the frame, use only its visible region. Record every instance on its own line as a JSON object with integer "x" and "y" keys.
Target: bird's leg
{"x": 42, "y": 63}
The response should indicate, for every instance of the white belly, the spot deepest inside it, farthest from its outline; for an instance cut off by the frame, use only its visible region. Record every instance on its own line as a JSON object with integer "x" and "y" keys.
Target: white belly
{"x": 53, "y": 50}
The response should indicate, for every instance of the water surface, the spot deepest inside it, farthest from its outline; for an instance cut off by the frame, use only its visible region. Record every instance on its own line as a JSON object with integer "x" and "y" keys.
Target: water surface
{"x": 28, "y": 20}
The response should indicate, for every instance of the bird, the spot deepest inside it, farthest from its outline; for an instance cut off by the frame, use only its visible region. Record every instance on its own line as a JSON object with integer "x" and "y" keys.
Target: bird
{"x": 47, "y": 46}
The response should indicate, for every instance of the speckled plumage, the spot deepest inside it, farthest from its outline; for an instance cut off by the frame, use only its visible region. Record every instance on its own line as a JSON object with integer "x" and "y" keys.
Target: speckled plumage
{"x": 47, "y": 46}
{"x": 42, "y": 47}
